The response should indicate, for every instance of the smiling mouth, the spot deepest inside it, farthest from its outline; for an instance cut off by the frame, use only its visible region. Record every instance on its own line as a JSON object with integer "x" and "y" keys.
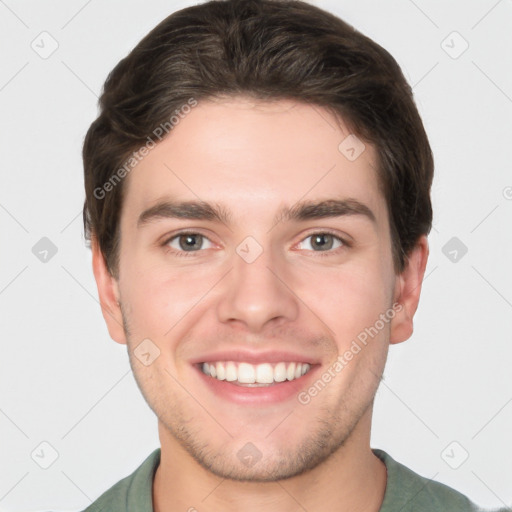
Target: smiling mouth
{"x": 255, "y": 375}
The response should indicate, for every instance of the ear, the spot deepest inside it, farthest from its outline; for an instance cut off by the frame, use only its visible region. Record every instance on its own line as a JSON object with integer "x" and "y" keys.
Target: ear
{"x": 108, "y": 293}
{"x": 407, "y": 291}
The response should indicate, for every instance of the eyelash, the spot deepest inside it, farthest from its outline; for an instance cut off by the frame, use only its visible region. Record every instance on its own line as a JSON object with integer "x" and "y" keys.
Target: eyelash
{"x": 186, "y": 254}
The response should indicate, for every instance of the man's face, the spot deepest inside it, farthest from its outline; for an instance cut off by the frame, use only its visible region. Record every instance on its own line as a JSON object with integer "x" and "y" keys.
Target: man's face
{"x": 257, "y": 293}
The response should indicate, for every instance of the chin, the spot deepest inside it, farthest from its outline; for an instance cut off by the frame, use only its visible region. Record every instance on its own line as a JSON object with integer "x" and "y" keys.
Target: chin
{"x": 263, "y": 460}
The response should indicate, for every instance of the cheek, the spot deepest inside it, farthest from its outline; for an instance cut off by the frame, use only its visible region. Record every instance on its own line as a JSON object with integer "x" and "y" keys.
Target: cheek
{"x": 160, "y": 299}
{"x": 350, "y": 301}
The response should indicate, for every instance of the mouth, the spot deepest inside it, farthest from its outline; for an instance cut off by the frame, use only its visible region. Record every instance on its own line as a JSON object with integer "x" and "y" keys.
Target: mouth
{"x": 256, "y": 383}
{"x": 255, "y": 375}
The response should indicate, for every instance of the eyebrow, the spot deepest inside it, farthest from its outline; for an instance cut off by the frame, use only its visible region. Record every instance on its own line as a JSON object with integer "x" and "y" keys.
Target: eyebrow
{"x": 301, "y": 211}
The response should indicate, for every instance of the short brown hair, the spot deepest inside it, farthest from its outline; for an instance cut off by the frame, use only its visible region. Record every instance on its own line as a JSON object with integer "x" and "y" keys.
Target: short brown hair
{"x": 269, "y": 50}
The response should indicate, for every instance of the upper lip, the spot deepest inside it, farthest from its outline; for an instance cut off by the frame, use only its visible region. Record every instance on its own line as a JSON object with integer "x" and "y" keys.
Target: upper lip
{"x": 252, "y": 357}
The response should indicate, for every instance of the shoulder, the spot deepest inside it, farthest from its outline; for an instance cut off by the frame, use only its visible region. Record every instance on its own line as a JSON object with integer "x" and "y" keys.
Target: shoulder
{"x": 133, "y": 492}
{"x": 409, "y": 491}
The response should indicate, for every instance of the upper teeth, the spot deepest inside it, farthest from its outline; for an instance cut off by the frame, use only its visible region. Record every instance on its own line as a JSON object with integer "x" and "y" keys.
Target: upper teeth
{"x": 247, "y": 373}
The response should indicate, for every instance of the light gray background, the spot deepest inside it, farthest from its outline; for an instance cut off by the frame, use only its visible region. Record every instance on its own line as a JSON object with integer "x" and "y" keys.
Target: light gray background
{"x": 64, "y": 382}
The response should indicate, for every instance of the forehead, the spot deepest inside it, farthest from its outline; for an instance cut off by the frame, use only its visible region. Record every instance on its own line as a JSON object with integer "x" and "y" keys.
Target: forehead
{"x": 254, "y": 157}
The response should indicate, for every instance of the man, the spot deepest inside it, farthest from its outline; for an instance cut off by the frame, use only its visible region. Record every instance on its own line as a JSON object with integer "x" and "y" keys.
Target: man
{"x": 258, "y": 201}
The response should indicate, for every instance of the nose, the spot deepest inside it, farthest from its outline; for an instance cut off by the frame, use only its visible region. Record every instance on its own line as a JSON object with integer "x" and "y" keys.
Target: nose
{"x": 257, "y": 294}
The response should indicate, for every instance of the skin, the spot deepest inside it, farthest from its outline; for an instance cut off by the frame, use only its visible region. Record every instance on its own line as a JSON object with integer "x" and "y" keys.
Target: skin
{"x": 253, "y": 158}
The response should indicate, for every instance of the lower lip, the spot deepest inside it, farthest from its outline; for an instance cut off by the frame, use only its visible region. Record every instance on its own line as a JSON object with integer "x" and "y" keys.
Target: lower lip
{"x": 274, "y": 393}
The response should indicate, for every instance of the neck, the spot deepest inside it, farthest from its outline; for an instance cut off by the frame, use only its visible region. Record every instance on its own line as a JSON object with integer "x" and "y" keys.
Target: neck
{"x": 351, "y": 479}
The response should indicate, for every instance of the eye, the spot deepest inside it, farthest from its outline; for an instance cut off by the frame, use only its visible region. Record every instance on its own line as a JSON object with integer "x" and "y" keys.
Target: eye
{"x": 187, "y": 242}
{"x": 324, "y": 242}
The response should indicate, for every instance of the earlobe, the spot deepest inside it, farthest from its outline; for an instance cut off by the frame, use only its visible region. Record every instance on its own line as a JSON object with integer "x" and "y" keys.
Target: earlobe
{"x": 407, "y": 291}
{"x": 108, "y": 293}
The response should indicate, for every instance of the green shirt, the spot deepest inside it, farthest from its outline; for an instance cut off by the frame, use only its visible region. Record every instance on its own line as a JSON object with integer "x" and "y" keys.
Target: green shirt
{"x": 406, "y": 491}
